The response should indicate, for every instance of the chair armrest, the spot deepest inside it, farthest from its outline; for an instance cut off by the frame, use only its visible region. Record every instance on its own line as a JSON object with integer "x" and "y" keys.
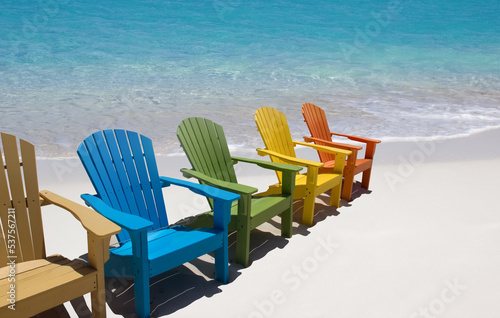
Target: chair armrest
{"x": 340, "y": 154}
{"x": 202, "y": 189}
{"x": 356, "y": 138}
{"x": 222, "y": 199}
{"x": 93, "y": 222}
{"x": 269, "y": 165}
{"x": 326, "y": 149}
{"x": 290, "y": 160}
{"x": 333, "y": 144}
{"x": 127, "y": 221}
{"x": 224, "y": 185}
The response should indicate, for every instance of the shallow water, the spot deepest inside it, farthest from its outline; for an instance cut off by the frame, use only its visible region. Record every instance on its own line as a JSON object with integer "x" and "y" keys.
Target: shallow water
{"x": 384, "y": 69}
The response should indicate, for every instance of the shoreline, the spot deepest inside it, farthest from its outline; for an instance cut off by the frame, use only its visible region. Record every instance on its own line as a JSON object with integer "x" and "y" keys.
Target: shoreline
{"x": 243, "y": 150}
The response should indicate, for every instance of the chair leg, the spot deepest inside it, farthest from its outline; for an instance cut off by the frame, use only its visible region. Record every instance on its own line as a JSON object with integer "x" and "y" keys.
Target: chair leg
{"x": 243, "y": 245}
{"x": 98, "y": 298}
{"x": 98, "y": 255}
{"x": 141, "y": 279}
{"x": 221, "y": 261}
{"x": 287, "y": 220}
{"x": 141, "y": 290}
{"x": 288, "y": 186}
{"x": 310, "y": 197}
{"x": 308, "y": 209}
{"x": 335, "y": 196}
{"x": 347, "y": 187}
{"x": 243, "y": 230}
{"x": 365, "y": 181}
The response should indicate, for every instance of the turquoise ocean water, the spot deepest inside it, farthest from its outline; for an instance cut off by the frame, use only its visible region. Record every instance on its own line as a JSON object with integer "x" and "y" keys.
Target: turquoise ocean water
{"x": 385, "y": 69}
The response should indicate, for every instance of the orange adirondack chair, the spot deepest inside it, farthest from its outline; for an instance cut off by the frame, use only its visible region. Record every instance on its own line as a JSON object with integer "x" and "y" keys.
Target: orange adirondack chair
{"x": 31, "y": 282}
{"x": 275, "y": 133}
{"x": 320, "y": 134}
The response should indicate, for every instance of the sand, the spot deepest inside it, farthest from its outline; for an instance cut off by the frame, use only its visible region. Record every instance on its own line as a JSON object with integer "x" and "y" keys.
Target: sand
{"x": 422, "y": 242}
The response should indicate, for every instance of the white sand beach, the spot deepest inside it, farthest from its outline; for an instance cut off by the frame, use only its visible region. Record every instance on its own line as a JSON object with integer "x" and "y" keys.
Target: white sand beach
{"x": 423, "y": 242}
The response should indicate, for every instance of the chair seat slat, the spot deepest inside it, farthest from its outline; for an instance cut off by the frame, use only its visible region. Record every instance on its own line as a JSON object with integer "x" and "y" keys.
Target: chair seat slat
{"x": 24, "y": 244}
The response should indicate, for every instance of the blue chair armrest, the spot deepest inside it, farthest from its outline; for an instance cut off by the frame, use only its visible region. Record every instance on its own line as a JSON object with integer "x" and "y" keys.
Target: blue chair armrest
{"x": 127, "y": 221}
{"x": 222, "y": 199}
{"x": 208, "y": 191}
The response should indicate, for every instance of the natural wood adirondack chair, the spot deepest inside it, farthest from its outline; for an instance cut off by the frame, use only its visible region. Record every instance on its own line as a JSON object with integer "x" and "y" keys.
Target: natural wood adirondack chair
{"x": 275, "y": 133}
{"x": 205, "y": 145}
{"x": 38, "y": 282}
{"x": 320, "y": 134}
{"x": 122, "y": 167}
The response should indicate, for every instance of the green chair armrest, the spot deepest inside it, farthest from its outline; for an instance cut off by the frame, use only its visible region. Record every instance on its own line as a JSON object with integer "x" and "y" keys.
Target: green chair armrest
{"x": 224, "y": 185}
{"x": 269, "y": 165}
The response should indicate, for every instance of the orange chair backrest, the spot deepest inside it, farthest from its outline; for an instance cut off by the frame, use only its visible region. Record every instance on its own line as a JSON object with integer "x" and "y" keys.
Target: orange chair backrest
{"x": 315, "y": 119}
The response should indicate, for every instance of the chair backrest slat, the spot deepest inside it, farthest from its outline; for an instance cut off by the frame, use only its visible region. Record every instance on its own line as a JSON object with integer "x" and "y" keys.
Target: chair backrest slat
{"x": 315, "y": 119}
{"x": 23, "y": 198}
{"x": 206, "y": 147}
{"x": 24, "y": 248}
{"x": 146, "y": 199}
{"x": 154, "y": 176}
{"x": 273, "y": 127}
{"x": 5, "y": 204}
{"x": 33, "y": 197}
{"x": 110, "y": 169}
{"x": 275, "y": 132}
{"x": 128, "y": 161}
{"x": 122, "y": 183}
{"x": 123, "y": 170}
{"x": 188, "y": 137}
{"x": 97, "y": 182}
{"x": 98, "y": 173}
{"x": 221, "y": 149}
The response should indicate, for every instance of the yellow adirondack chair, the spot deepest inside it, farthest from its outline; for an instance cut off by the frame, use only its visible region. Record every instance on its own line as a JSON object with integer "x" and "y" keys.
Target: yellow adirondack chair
{"x": 320, "y": 134}
{"x": 275, "y": 133}
{"x": 31, "y": 282}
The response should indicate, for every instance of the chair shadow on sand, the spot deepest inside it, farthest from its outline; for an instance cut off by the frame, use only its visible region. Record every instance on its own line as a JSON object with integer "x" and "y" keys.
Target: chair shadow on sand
{"x": 357, "y": 192}
{"x": 183, "y": 285}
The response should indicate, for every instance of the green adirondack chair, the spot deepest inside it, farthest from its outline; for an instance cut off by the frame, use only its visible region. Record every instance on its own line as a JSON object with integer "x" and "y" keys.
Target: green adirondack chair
{"x": 205, "y": 145}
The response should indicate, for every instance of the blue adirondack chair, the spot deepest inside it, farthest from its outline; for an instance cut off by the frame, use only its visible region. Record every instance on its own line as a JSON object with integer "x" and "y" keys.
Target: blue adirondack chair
{"x": 122, "y": 167}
